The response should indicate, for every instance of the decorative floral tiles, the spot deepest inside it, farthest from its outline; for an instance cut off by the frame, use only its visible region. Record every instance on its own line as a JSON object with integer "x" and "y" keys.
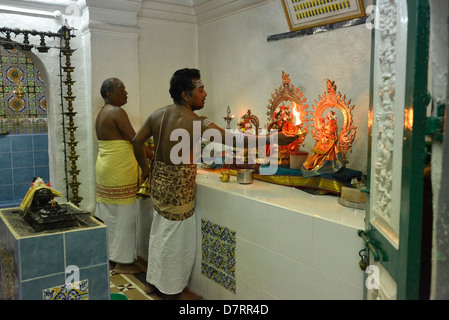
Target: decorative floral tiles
{"x": 74, "y": 291}
{"x": 218, "y": 254}
{"x": 7, "y": 283}
{"x": 25, "y": 112}
{"x": 131, "y": 285}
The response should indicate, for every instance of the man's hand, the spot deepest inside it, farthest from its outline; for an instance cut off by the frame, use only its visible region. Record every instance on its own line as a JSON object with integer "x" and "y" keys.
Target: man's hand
{"x": 145, "y": 173}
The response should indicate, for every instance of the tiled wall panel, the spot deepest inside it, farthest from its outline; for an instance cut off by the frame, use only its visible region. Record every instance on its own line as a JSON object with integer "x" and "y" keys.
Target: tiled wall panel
{"x": 280, "y": 253}
{"x": 218, "y": 254}
{"x": 21, "y": 114}
{"x": 22, "y": 157}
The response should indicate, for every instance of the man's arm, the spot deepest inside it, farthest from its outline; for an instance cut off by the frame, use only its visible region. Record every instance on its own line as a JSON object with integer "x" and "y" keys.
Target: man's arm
{"x": 123, "y": 124}
{"x": 138, "y": 143}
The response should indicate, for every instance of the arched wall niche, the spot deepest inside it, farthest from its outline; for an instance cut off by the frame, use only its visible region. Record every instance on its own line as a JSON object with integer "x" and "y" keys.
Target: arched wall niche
{"x": 53, "y": 118}
{"x": 56, "y": 69}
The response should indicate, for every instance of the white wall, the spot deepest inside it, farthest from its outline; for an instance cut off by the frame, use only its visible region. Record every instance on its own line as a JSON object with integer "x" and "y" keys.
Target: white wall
{"x": 164, "y": 47}
{"x": 241, "y": 69}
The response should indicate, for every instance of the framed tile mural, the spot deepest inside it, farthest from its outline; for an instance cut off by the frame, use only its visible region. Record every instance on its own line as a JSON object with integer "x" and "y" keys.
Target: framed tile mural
{"x": 304, "y": 14}
{"x": 23, "y": 103}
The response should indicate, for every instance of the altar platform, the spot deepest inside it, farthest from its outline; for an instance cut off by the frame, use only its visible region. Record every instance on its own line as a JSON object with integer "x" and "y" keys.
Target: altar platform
{"x": 61, "y": 264}
{"x": 331, "y": 183}
{"x": 266, "y": 241}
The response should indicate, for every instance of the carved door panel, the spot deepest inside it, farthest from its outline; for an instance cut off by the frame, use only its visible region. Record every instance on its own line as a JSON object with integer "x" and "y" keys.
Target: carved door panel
{"x": 396, "y": 158}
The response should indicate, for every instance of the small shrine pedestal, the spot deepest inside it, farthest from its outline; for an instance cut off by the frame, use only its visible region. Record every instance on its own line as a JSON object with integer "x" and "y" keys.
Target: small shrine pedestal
{"x": 70, "y": 263}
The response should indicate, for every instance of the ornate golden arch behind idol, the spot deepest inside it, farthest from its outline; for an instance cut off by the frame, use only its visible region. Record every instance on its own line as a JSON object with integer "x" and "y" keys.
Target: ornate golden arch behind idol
{"x": 333, "y": 100}
{"x": 288, "y": 92}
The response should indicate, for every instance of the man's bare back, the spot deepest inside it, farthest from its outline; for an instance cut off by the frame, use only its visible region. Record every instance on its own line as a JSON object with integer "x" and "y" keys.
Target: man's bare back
{"x": 175, "y": 117}
{"x": 113, "y": 124}
{"x": 112, "y": 121}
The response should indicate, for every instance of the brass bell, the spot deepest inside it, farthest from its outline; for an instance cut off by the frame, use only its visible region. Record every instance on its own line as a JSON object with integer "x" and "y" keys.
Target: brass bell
{"x": 144, "y": 190}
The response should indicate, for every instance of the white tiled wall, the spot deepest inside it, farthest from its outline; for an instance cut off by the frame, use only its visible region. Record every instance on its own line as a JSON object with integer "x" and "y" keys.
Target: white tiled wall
{"x": 280, "y": 253}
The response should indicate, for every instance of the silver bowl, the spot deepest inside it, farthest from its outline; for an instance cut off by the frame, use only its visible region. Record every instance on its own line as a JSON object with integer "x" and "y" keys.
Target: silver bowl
{"x": 245, "y": 176}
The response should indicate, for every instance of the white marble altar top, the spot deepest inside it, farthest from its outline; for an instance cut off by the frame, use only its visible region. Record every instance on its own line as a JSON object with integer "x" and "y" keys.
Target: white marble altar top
{"x": 323, "y": 207}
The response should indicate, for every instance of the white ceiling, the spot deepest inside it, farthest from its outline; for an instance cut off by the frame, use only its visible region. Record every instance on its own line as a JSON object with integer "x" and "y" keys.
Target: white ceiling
{"x": 193, "y": 11}
{"x": 187, "y": 11}
{"x": 191, "y": 3}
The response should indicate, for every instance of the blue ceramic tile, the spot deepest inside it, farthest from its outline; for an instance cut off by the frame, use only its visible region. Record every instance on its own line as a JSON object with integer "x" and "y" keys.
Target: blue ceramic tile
{"x": 20, "y": 191}
{"x": 40, "y": 142}
{"x": 22, "y": 143}
{"x": 86, "y": 247}
{"x": 33, "y": 289}
{"x": 42, "y": 172}
{"x": 23, "y": 175}
{"x": 40, "y": 158}
{"x": 218, "y": 261}
{"x": 219, "y": 277}
{"x": 22, "y": 159}
{"x": 5, "y": 160}
{"x": 9, "y": 204}
{"x": 5, "y": 144}
{"x": 98, "y": 277}
{"x": 6, "y": 193}
{"x": 42, "y": 256}
{"x": 5, "y": 177}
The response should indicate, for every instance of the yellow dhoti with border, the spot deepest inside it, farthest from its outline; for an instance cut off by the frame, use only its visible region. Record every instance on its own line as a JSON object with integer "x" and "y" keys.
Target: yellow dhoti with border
{"x": 117, "y": 177}
{"x": 117, "y": 172}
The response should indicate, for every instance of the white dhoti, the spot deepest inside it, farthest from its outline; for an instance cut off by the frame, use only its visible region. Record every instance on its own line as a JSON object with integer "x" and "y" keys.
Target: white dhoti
{"x": 171, "y": 253}
{"x": 121, "y": 223}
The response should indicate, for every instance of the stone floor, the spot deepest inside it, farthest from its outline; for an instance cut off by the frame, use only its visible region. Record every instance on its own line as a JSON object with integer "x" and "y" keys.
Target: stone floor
{"x": 133, "y": 285}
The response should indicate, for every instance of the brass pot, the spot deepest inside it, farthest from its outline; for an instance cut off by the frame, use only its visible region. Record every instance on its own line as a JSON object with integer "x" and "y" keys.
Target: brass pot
{"x": 224, "y": 176}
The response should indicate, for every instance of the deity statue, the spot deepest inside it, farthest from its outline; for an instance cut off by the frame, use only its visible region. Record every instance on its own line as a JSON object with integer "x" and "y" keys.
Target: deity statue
{"x": 326, "y": 156}
{"x": 42, "y": 211}
{"x": 284, "y": 102}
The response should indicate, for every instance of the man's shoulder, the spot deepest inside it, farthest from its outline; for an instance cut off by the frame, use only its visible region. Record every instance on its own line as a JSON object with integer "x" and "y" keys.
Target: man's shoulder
{"x": 114, "y": 110}
{"x": 164, "y": 108}
{"x": 158, "y": 113}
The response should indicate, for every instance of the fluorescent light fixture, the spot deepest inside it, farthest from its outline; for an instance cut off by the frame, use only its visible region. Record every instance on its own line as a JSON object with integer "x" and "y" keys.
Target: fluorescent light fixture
{"x": 54, "y": 14}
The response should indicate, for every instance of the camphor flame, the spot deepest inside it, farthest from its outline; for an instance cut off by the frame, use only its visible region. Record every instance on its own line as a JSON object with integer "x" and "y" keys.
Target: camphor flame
{"x": 297, "y": 119}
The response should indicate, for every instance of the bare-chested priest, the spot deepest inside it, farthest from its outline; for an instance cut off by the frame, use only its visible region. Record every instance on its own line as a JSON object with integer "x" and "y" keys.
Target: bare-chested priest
{"x": 117, "y": 177}
{"x": 172, "y": 243}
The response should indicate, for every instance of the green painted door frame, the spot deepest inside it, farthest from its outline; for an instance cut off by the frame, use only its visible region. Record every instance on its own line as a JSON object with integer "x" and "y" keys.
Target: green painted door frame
{"x": 403, "y": 263}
